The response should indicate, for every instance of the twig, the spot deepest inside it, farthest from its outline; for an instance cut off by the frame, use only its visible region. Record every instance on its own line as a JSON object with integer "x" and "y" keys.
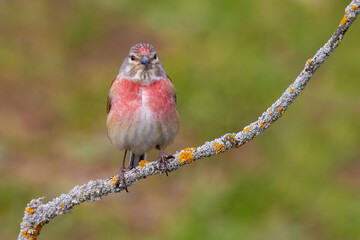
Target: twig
{"x": 37, "y": 214}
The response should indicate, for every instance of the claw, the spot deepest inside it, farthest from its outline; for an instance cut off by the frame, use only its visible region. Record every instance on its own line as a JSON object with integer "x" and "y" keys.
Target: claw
{"x": 164, "y": 159}
{"x": 121, "y": 177}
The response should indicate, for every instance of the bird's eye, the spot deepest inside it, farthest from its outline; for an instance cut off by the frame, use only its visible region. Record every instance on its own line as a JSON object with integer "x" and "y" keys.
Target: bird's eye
{"x": 132, "y": 57}
{"x": 155, "y": 57}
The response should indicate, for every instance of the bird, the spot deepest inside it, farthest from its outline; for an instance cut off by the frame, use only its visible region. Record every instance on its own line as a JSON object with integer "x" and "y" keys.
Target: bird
{"x": 141, "y": 108}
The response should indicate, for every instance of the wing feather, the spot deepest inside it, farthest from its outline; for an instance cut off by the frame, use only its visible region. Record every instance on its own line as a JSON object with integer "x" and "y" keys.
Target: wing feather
{"x": 174, "y": 96}
{"x": 109, "y": 101}
{"x": 108, "y": 105}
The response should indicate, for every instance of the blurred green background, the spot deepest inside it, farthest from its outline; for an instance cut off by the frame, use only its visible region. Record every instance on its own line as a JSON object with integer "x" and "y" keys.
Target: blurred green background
{"x": 229, "y": 60}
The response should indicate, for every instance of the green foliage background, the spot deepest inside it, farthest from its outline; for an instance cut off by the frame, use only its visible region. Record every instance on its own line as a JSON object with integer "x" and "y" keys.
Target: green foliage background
{"x": 229, "y": 60}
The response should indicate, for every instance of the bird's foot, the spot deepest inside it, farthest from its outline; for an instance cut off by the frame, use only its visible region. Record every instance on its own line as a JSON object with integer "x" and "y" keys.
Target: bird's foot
{"x": 163, "y": 160}
{"x": 121, "y": 177}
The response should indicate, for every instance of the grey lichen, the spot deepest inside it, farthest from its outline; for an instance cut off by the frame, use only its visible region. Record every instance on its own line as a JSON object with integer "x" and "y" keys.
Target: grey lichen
{"x": 37, "y": 214}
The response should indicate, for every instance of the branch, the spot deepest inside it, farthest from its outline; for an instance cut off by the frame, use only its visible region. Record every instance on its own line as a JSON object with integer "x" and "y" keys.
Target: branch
{"x": 37, "y": 214}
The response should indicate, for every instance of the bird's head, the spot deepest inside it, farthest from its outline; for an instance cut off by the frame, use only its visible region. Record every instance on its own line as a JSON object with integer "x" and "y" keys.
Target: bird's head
{"x": 142, "y": 64}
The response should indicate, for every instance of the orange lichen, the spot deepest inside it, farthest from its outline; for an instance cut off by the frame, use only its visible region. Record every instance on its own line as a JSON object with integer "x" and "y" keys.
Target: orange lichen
{"x": 308, "y": 61}
{"x": 143, "y": 163}
{"x": 281, "y": 110}
{"x": 246, "y": 129}
{"x": 219, "y": 147}
{"x": 25, "y": 234}
{"x": 186, "y": 155}
{"x": 291, "y": 89}
{"x": 33, "y": 233}
{"x": 262, "y": 124}
{"x": 354, "y": 7}
{"x": 36, "y": 231}
{"x": 230, "y": 138}
{"x": 343, "y": 21}
{"x": 114, "y": 179}
{"x": 30, "y": 210}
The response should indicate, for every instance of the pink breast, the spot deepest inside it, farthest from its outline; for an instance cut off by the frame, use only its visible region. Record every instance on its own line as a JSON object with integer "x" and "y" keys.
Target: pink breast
{"x": 127, "y": 98}
{"x": 158, "y": 97}
{"x": 161, "y": 99}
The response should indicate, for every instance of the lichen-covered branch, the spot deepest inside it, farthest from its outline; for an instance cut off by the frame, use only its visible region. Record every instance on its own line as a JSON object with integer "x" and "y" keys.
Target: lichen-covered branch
{"x": 37, "y": 213}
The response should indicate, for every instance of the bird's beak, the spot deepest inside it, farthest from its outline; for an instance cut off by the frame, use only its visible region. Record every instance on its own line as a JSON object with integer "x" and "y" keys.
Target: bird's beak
{"x": 145, "y": 61}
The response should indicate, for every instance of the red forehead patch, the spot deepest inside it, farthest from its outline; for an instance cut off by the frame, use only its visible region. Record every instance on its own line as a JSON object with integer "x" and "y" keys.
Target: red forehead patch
{"x": 143, "y": 49}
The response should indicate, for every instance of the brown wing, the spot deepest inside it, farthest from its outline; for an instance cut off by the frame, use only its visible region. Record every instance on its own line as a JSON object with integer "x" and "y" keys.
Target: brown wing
{"x": 174, "y": 96}
{"x": 108, "y": 103}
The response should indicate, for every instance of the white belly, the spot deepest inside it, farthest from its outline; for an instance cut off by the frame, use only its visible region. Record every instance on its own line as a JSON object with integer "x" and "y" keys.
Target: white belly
{"x": 142, "y": 131}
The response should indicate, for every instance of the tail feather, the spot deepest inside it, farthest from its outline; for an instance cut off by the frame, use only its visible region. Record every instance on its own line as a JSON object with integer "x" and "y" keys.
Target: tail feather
{"x": 135, "y": 159}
